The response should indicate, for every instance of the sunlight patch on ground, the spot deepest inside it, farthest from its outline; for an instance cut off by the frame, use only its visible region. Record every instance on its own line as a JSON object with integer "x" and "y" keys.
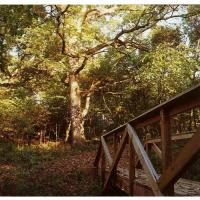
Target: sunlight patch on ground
{"x": 7, "y": 167}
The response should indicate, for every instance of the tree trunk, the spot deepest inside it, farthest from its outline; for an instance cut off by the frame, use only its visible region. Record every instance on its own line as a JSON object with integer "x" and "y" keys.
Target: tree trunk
{"x": 41, "y": 137}
{"x": 76, "y": 134}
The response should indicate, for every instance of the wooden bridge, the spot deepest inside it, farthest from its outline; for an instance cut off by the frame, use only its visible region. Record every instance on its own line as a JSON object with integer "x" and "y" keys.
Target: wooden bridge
{"x": 124, "y": 159}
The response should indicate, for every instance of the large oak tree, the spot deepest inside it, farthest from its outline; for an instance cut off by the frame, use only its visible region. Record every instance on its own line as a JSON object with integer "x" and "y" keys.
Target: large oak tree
{"x": 69, "y": 41}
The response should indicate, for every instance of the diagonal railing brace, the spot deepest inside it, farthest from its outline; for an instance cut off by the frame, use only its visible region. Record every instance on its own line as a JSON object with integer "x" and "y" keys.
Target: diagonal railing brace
{"x": 144, "y": 159}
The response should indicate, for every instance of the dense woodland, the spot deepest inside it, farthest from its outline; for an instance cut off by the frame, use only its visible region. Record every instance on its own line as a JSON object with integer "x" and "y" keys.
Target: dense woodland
{"x": 73, "y": 72}
{"x": 69, "y": 73}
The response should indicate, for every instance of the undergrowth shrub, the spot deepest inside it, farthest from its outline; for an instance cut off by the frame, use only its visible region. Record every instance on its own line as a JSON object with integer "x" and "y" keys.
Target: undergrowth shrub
{"x": 24, "y": 171}
{"x": 28, "y": 156}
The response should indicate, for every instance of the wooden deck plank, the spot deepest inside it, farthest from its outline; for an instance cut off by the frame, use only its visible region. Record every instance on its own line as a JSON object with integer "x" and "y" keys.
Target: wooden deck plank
{"x": 183, "y": 187}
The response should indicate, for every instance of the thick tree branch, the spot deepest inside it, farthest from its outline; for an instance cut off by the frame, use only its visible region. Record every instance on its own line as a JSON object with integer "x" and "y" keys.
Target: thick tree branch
{"x": 93, "y": 50}
{"x": 88, "y": 97}
{"x": 88, "y": 11}
{"x": 59, "y": 23}
{"x": 11, "y": 85}
{"x": 82, "y": 66}
{"x": 116, "y": 39}
{"x": 61, "y": 34}
{"x": 102, "y": 85}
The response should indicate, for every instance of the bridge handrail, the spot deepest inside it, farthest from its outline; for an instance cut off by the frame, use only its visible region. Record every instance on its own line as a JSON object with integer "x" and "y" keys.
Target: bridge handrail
{"x": 177, "y": 104}
{"x": 170, "y": 172}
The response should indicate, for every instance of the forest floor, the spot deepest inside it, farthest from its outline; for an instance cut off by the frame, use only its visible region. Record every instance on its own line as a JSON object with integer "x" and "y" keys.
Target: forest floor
{"x": 47, "y": 170}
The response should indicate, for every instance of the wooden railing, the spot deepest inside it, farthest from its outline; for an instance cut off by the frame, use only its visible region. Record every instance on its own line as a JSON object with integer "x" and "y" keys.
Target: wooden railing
{"x": 138, "y": 153}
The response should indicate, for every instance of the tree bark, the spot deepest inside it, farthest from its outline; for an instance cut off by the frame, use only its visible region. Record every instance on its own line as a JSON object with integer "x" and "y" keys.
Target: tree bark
{"x": 76, "y": 134}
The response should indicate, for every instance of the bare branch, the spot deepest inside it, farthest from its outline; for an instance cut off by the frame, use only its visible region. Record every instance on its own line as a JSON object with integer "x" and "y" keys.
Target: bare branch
{"x": 115, "y": 93}
{"x": 87, "y": 13}
{"x": 114, "y": 83}
{"x": 107, "y": 106}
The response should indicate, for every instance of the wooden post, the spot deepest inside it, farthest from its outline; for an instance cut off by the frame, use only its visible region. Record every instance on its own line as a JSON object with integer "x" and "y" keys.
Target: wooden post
{"x": 116, "y": 159}
{"x": 144, "y": 159}
{"x": 98, "y": 156}
{"x": 131, "y": 168}
{"x": 115, "y": 144}
{"x": 146, "y": 147}
{"x": 166, "y": 147}
{"x": 103, "y": 162}
{"x": 186, "y": 157}
{"x": 106, "y": 151}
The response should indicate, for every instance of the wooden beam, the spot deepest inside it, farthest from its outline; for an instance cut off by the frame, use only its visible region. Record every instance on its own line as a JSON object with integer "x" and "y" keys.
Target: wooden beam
{"x": 187, "y": 105}
{"x": 146, "y": 122}
{"x": 103, "y": 166}
{"x": 156, "y": 140}
{"x": 144, "y": 159}
{"x": 183, "y": 136}
{"x": 146, "y": 148}
{"x": 166, "y": 147}
{"x": 116, "y": 159}
{"x": 173, "y": 137}
{"x": 116, "y": 130}
{"x": 137, "y": 160}
{"x": 115, "y": 144}
{"x": 106, "y": 151}
{"x": 165, "y": 140}
{"x": 98, "y": 155}
{"x": 184, "y": 158}
{"x": 131, "y": 168}
{"x": 157, "y": 150}
{"x": 186, "y": 100}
